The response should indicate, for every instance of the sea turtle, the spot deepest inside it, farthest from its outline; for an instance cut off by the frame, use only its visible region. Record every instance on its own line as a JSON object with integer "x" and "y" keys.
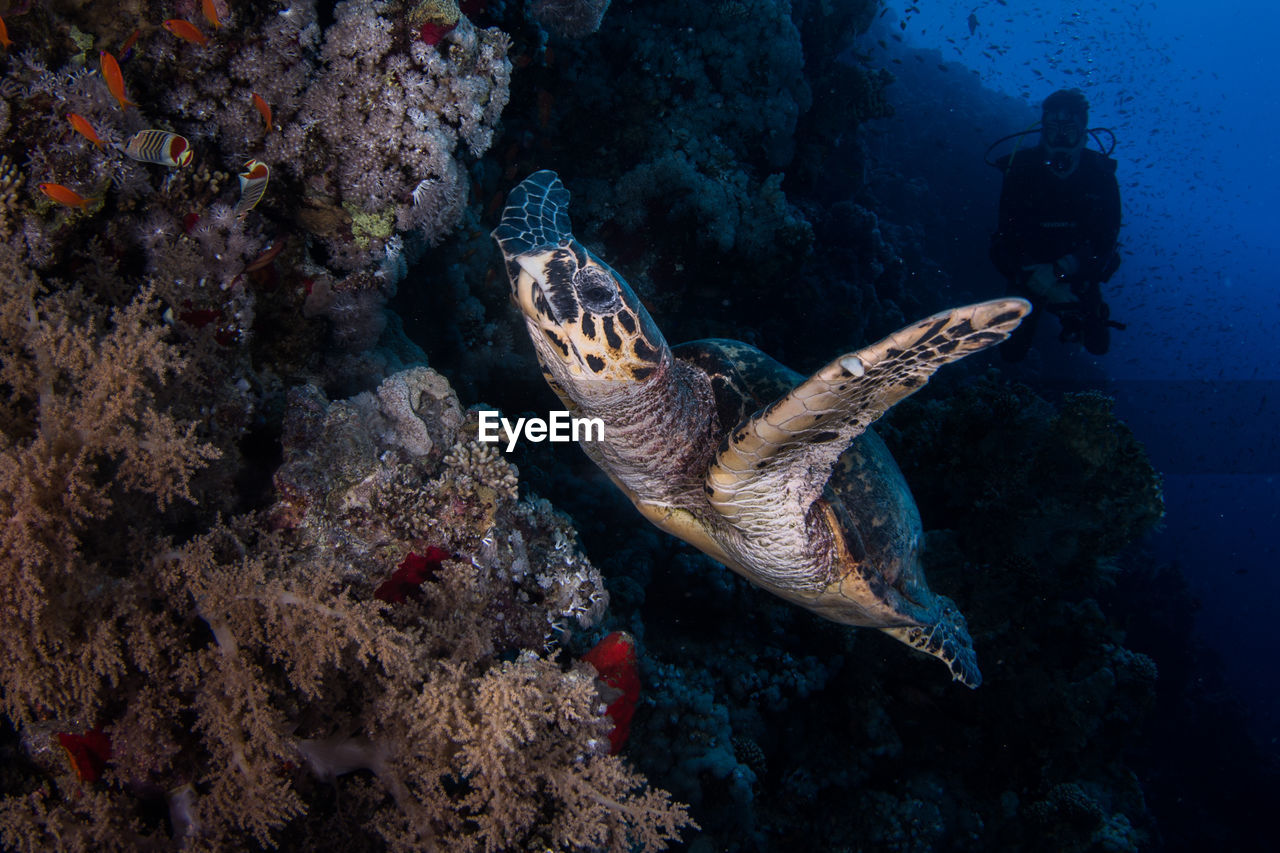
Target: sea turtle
{"x": 774, "y": 475}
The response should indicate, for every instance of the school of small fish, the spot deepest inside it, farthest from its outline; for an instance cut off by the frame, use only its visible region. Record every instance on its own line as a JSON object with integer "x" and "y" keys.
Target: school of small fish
{"x": 156, "y": 146}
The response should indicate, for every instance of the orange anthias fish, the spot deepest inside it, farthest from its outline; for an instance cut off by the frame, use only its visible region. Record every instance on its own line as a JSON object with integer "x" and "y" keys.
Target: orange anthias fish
{"x": 268, "y": 255}
{"x": 264, "y": 109}
{"x": 82, "y": 127}
{"x": 210, "y": 13}
{"x": 65, "y": 195}
{"x": 185, "y": 31}
{"x": 115, "y": 80}
{"x": 127, "y": 47}
{"x": 4, "y": 35}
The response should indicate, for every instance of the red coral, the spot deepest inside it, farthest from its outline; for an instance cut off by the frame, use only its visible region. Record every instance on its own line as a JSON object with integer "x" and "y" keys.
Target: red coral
{"x": 200, "y": 317}
{"x": 89, "y": 753}
{"x": 614, "y": 658}
{"x": 410, "y": 574}
{"x": 432, "y": 32}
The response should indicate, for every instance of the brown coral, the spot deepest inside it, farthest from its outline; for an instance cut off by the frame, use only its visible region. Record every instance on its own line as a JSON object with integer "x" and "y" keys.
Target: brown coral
{"x": 231, "y": 668}
{"x": 82, "y": 438}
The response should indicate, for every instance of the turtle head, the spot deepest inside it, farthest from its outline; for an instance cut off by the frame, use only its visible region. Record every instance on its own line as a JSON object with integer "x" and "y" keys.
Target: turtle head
{"x": 586, "y": 323}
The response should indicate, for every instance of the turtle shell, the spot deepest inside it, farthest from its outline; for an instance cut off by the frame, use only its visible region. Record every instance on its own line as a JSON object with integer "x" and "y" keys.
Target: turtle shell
{"x": 866, "y": 489}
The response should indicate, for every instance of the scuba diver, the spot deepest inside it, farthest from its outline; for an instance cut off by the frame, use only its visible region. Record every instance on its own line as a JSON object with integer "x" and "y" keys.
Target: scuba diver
{"x": 1059, "y": 220}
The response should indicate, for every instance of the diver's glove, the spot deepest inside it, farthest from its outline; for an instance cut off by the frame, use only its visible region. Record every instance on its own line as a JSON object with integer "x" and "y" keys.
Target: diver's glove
{"x": 1043, "y": 282}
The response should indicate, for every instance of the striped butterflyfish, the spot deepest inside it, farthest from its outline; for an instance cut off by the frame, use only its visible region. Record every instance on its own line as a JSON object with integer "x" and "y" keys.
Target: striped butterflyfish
{"x": 160, "y": 147}
{"x": 253, "y": 184}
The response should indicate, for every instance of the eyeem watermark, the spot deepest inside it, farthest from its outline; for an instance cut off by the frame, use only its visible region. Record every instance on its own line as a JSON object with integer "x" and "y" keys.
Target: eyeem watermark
{"x": 559, "y": 426}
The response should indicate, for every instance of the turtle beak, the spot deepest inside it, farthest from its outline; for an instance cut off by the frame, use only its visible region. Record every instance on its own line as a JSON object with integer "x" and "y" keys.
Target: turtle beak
{"x": 545, "y": 287}
{"x": 530, "y": 291}
{"x": 524, "y": 284}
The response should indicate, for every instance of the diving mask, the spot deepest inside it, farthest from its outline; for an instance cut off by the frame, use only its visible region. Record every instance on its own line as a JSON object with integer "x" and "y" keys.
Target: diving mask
{"x": 1060, "y": 132}
{"x": 1062, "y": 137}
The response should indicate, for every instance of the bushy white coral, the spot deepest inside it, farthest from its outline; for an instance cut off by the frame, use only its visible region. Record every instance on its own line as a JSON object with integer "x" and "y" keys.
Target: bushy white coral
{"x": 392, "y": 122}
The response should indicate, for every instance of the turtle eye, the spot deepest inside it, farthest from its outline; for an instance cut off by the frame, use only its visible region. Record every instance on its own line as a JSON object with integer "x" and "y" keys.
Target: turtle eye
{"x": 597, "y": 291}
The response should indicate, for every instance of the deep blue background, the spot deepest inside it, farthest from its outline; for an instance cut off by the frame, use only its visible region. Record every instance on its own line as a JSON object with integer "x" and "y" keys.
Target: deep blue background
{"x": 1191, "y": 91}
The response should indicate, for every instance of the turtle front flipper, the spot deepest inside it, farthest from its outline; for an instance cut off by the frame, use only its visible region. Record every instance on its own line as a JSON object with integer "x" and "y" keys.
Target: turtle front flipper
{"x": 791, "y": 445}
{"x": 844, "y": 539}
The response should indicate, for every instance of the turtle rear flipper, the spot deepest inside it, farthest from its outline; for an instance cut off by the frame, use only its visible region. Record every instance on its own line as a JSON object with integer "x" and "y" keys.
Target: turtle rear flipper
{"x": 946, "y": 639}
{"x": 789, "y": 447}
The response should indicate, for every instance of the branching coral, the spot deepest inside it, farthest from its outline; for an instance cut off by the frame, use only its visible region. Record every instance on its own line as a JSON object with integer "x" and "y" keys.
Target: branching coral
{"x": 84, "y": 436}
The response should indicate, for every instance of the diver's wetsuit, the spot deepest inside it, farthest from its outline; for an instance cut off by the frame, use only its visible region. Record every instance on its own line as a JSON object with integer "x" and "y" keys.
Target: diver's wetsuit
{"x": 1044, "y": 217}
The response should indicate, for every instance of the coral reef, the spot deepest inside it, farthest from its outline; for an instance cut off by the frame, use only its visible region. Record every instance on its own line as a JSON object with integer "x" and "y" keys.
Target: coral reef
{"x": 222, "y": 667}
{"x": 400, "y": 109}
{"x": 262, "y": 587}
{"x": 712, "y": 166}
{"x": 369, "y": 135}
{"x": 204, "y": 653}
{"x": 1105, "y": 493}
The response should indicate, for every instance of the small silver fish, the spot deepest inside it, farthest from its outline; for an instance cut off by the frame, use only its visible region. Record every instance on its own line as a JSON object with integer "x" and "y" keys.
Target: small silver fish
{"x": 160, "y": 147}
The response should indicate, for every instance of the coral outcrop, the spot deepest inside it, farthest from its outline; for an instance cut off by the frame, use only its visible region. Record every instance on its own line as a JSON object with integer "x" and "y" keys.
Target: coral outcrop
{"x": 238, "y": 675}
{"x": 240, "y": 614}
{"x": 402, "y": 112}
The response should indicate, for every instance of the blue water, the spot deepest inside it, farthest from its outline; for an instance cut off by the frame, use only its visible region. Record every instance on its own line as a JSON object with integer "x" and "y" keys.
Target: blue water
{"x": 1190, "y": 91}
